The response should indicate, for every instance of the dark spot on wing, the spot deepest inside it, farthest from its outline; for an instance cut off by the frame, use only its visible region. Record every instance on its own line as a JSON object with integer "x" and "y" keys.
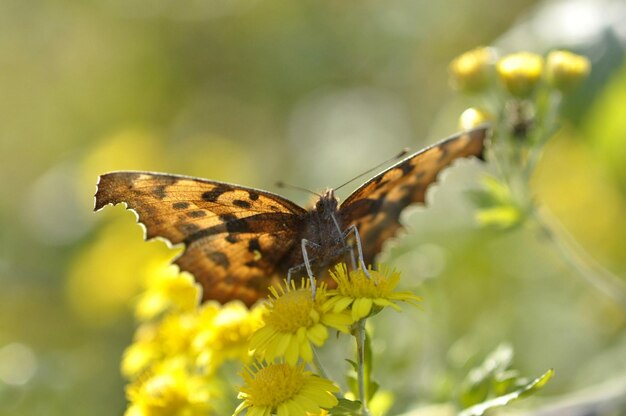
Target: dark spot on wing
{"x": 252, "y": 264}
{"x": 406, "y": 167}
{"x": 274, "y": 208}
{"x": 228, "y": 217}
{"x": 196, "y": 214}
{"x": 380, "y": 183}
{"x": 238, "y": 226}
{"x": 159, "y": 191}
{"x": 253, "y": 245}
{"x": 241, "y": 203}
{"x": 377, "y": 204}
{"x": 219, "y": 258}
{"x": 180, "y": 205}
{"x": 443, "y": 147}
{"x": 188, "y": 228}
{"x": 253, "y": 195}
{"x": 213, "y": 194}
{"x": 232, "y": 238}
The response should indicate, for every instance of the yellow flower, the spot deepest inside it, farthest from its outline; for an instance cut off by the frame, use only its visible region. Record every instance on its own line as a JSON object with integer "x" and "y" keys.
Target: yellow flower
{"x": 473, "y": 117}
{"x": 293, "y": 321}
{"x": 224, "y": 332}
{"x": 284, "y": 390}
{"x": 366, "y": 296}
{"x": 170, "y": 392}
{"x": 520, "y": 73}
{"x": 156, "y": 342}
{"x": 565, "y": 70}
{"x": 471, "y": 71}
{"x": 138, "y": 357}
{"x": 167, "y": 291}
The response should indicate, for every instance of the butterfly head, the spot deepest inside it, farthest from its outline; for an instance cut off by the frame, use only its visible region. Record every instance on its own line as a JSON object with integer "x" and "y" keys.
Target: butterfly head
{"x": 327, "y": 202}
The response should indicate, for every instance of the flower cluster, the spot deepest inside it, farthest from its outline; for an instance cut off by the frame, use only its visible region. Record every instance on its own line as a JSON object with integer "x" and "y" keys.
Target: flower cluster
{"x": 180, "y": 346}
{"x": 295, "y": 322}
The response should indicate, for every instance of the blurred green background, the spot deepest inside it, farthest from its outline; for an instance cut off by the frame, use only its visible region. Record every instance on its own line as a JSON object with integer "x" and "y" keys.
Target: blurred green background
{"x": 310, "y": 92}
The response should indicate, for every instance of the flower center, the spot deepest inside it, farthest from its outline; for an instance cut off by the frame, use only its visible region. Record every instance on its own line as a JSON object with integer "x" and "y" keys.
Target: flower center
{"x": 275, "y": 384}
{"x": 360, "y": 286}
{"x": 291, "y": 311}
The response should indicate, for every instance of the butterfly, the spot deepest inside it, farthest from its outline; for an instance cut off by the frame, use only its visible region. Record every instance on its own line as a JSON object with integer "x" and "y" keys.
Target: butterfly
{"x": 240, "y": 240}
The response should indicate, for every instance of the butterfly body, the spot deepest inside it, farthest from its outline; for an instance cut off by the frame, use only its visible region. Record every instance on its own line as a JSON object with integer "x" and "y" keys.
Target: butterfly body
{"x": 323, "y": 238}
{"x": 240, "y": 240}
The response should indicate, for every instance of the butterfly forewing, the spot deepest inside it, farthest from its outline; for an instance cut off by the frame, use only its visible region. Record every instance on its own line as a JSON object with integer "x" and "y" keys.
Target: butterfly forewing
{"x": 375, "y": 207}
{"x": 234, "y": 236}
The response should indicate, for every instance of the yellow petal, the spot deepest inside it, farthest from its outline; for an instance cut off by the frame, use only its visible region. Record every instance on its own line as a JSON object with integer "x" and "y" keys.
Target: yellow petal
{"x": 301, "y": 334}
{"x": 291, "y": 353}
{"x": 260, "y": 337}
{"x": 318, "y": 334}
{"x": 314, "y": 315}
{"x": 361, "y": 308}
{"x": 342, "y": 303}
{"x": 306, "y": 352}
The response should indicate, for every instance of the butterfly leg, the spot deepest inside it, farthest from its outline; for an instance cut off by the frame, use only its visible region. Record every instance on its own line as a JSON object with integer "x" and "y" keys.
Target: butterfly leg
{"x": 359, "y": 247}
{"x": 307, "y": 262}
{"x": 292, "y": 270}
{"x": 346, "y": 247}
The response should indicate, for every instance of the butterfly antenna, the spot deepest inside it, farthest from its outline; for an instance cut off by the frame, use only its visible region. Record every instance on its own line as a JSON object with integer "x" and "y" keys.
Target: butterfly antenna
{"x": 282, "y": 184}
{"x": 398, "y": 156}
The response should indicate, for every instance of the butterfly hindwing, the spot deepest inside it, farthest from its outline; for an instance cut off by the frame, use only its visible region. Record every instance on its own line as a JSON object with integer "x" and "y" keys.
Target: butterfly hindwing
{"x": 375, "y": 207}
{"x": 234, "y": 236}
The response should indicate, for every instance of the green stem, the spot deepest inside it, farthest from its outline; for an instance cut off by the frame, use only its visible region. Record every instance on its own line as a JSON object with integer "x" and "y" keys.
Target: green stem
{"x": 318, "y": 365}
{"x": 545, "y": 129}
{"x": 576, "y": 256}
{"x": 360, "y": 348}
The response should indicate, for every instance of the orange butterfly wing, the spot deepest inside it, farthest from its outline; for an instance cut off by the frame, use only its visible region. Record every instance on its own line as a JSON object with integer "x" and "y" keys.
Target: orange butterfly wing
{"x": 375, "y": 207}
{"x": 234, "y": 236}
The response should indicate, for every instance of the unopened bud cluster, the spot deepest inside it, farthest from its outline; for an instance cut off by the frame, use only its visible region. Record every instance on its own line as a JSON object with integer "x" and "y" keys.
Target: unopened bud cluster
{"x": 517, "y": 78}
{"x": 520, "y": 73}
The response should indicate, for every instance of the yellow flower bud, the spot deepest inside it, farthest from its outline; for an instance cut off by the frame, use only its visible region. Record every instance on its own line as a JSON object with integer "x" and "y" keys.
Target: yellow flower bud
{"x": 566, "y": 70}
{"x": 520, "y": 73}
{"x": 473, "y": 117}
{"x": 471, "y": 71}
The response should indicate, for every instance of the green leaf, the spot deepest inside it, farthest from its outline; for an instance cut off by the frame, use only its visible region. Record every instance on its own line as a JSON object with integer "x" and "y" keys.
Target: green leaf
{"x": 526, "y": 390}
{"x": 353, "y": 385}
{"x": 372, "y": 389}
{"x": 498, "y": 191}
{"x": 507, "y": 381}
{"x": 480, "y": 380}
{"x": 354, "y": 365}
{"x": 346, "y": 407}
{"x": 496, "y": 205}
{"x": 502, "y": 217}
